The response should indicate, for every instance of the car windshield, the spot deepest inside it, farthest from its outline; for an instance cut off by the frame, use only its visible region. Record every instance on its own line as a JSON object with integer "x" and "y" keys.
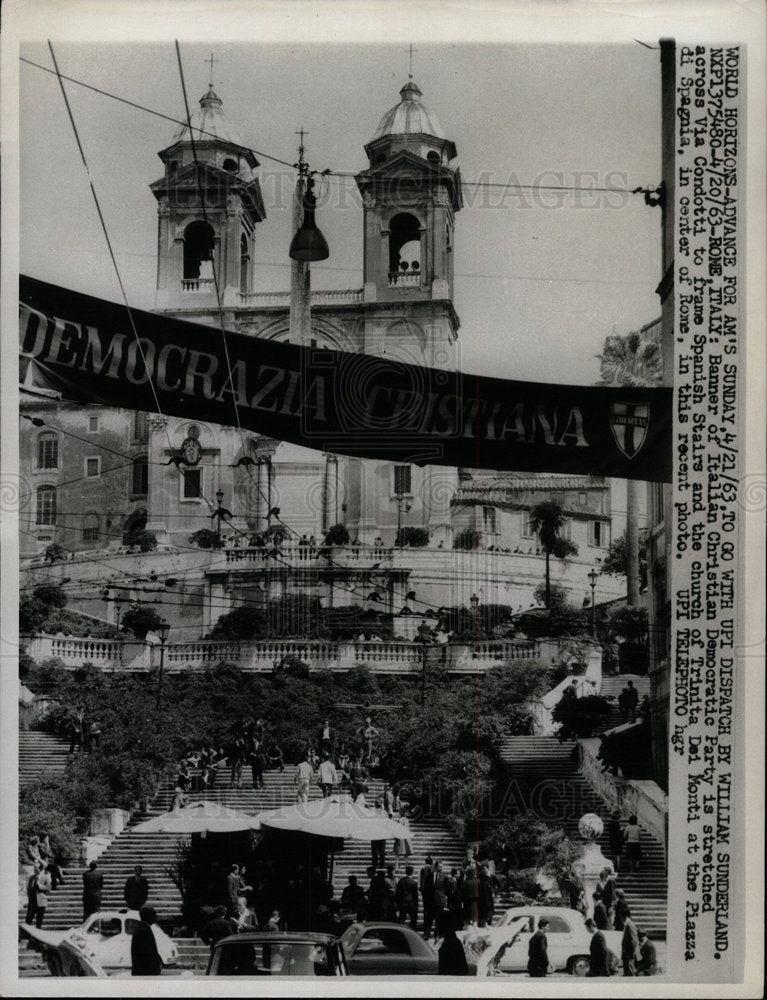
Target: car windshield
{"x": 271, "y": 959}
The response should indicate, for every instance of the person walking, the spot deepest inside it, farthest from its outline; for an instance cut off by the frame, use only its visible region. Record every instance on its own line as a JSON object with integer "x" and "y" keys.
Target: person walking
{"x": 538, "y": 951}
{"x": 304, "y": 775}
{"x": 93, "y": 885}
{"x": 632, "y": 839}
{"x": 257, "y": 762}
{"x": 648, "y": 961}
{"x": 136, "y": 890}
{"x": 599, "y": 962}
{"x": 145, "y": 957}
{"x": 406, "y": 898}
{"x": 621, "y": 910}
{"x": 615, "y": 837}
{"x": 451, "y": 955}
{"x": 32, "y": 892}
{"x": 600, "y": 913}
{"x": 232, "y": 890}
{"x": 328, "y": 775}
{"x": 629, "y": 946}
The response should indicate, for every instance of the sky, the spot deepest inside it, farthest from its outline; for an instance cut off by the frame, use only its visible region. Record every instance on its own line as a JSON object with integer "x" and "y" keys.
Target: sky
{"x": 541, "y": 276}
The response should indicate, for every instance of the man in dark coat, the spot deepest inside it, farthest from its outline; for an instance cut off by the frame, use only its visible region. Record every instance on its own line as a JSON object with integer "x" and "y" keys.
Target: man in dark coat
{"x": 427, "y": 895}
{"x": 406, "y": 898}
{"x": 538, "y": 951}
{"x": 232, "y": 883}
{"x": 452, "y": 957}
{"x": 136, "y": 891}
{"x": 218, "y": 927}
{"x": 629, "y": 945}
{"x": 354, "y": 899}
{"x": 93, "y": 883}
{"x": 598, "y": 958}
{"x": 469, "y": 893}
{"x": 485, "y": 900}
{"x": 145, "y": 958}
{"x": 648, "y": 960}
{"x": 600, "y": 913}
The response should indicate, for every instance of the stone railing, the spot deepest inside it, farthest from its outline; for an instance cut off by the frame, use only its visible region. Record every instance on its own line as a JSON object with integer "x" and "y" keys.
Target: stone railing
{"x": 340, "y": 296}
{"x": 296, "y": 554}
{"x": 643, "y": 799}
{"x": 198, "y": 285}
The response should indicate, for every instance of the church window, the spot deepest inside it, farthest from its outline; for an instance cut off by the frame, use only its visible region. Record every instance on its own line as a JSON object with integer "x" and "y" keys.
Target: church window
{"x": 404, "y": 245}
{"x": 231, "y": 165}
{"x": 527, "y": 525}
{"x": 198, "y": 247}
{"x": 381, "y": 158}
{"x": 93, "y": 425}
{"x": 140, "y": 427}
{"x": 47, "y": 451}
{"x": 432, "y": 156}
{"x": 140, "y": 476}
{"x": 45, "y": 507}
{"x": 91, "y": 528}
{"x": 402, "y": 480}
{"x": 598, "y": 534}
{"x": 244, "y": 264}
{"x": 92, "y": 466}
{"x": 490, "y": 520}
{"x": 191, "y": 484}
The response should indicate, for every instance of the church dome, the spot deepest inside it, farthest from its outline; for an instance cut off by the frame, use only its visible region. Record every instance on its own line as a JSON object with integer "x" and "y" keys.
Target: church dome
{"x": 209, "y": 123}
{"x": 409, "y": 117}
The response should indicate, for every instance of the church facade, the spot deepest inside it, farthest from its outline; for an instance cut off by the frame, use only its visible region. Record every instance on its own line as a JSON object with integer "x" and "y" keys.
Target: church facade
{"x": 97, "y": 474}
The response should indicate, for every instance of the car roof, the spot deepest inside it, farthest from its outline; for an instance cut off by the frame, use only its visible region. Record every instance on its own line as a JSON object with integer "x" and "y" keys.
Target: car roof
{"x": 278, "y": 937}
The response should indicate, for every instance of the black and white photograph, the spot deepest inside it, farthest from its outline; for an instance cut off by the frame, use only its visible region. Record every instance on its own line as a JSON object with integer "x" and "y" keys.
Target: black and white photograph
{"x": 381, "y": 506}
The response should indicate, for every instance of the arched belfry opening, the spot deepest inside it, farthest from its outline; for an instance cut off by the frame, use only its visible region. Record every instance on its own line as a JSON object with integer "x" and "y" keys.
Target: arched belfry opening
{"x": 404, "y": 245}
{"x": 199, "y": 244}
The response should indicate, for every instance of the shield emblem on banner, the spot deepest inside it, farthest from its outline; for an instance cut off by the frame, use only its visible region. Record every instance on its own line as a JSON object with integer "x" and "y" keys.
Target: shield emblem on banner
{"x": 629, "y": 423}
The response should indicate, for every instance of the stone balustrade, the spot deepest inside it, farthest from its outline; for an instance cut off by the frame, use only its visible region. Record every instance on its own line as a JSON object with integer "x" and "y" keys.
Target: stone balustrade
{"x": 295, "y": 554}
{"x": 339, "y": 296}
{"x": 262, "y": 655}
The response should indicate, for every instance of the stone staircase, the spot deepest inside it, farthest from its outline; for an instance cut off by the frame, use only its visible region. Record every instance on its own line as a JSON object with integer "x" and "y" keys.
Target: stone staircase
{"x": 611, "y": 689}
{"x": 155, "y": 852}
{"x": 544, "y": 777}
{"x": 40, "y": 753}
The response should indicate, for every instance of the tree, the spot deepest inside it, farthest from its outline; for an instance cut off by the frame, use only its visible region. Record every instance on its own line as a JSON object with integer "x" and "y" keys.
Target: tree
{"x": 547, "y": 520}
{"x": 416, "y": 538}
{"x": 634, "y": 361}
{"x": 337, "y": 534}
{"x": 140, "y": 620}
{"x": 616, "y": 560}
{"x": 146, "y": 540}
{"x": 205, "y": 538}
{"x": 243, "y": 623}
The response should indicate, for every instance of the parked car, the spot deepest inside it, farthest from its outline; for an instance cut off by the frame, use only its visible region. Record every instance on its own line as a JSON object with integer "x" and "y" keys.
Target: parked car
{"x": 289, "y": 953}
{"x": 102, "y": 942}
{"x": 568, "y": 937}
{"x": 380, "y": 948}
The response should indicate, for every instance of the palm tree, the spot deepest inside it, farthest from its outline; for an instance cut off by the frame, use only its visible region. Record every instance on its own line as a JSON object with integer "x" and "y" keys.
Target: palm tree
{"x": 634, "y": 361}
{"x": 547, "y": 520}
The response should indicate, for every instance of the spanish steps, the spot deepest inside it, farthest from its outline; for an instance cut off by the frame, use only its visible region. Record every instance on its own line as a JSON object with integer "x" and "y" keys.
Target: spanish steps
{"x": 544, "y": 778}
{"x": 40, "y": 753}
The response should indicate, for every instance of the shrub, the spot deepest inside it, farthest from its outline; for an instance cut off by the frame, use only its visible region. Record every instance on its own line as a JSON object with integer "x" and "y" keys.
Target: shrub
{"x": 466, "y": 539}
{"x": 140, "y": 620}
{"x": 146, "y": 540}
{"x": 50, "y": 594}
{"x": 416, "y": 538}
{"x": 243, "y": 623}
{"x": 205, "y": 538}
{"x": 55, "y": 553}
{"x": 337, "y": 534}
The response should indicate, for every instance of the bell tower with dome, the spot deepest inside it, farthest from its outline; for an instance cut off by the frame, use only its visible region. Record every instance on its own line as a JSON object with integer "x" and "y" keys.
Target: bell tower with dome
{"x": 206, "y": 226}
{"x": 410, "y": 195}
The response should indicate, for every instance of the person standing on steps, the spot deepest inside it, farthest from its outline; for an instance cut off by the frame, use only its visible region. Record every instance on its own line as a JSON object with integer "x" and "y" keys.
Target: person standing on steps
{"x": 615, "y": 836}
{"x": 629, "y": 946}
{"x": 426, "y": 880}
{"x": 631, "y": 838}
{"x": 136, "y": 890}
{"x": 42, "y": 889}
{"x": 93, "y": 884}
{"x": 304, "y": 775}
{"x": 406, "y": 898}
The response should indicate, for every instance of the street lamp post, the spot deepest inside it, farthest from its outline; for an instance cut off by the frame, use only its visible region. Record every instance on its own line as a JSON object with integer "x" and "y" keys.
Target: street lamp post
{"x": 162, "y": 630}
{"x": 219, "y": 499}
{"x": 593, "y": 577}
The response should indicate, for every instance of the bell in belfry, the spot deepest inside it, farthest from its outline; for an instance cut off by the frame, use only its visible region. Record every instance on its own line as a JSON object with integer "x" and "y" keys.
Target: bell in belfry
{"x": 309, "y": 244}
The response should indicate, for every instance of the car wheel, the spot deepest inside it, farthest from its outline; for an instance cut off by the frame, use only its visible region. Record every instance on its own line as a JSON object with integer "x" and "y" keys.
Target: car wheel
{"x": 54, "y": 963}
{"x": 579, "y": 966}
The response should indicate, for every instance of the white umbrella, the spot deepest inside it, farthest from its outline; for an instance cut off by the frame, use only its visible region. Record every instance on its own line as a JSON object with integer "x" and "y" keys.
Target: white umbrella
{"x": 329, "y": 817}
{"x": 199, "y": 817}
